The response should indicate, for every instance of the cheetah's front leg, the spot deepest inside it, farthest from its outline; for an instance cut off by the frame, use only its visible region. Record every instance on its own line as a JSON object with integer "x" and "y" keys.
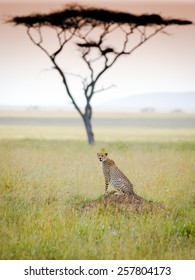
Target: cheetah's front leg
{"x": 106, "y": 186}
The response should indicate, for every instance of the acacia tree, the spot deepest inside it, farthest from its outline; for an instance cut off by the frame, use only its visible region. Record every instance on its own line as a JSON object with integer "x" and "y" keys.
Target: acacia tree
{"x": 93, "y": 30}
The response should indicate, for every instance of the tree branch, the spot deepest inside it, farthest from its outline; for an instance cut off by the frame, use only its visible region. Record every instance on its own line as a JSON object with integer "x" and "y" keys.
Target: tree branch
{"x": 123, "y": 52}
{"x": 39, "y": 42}
{"x": 62, "y": 43}
{"x": 84, "y": 80}
{"x": 64, "y": 80}
{"x": 104, "y": 89}
{"x": 142, "y": 41}
{"x": 56, "y": 66}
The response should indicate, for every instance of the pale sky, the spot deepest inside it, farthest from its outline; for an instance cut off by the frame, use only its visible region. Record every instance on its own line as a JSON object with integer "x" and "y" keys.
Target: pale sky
{"x": 152, "y": 1}
{"x": 163, "y": 64}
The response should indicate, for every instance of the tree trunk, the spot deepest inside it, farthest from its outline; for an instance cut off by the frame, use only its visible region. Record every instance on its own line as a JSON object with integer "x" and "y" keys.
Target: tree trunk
{"x": 88, "y": 127}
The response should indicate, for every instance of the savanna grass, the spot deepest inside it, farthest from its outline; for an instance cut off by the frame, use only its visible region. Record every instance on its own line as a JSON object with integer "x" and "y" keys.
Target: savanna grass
{"x": 44, "y": 186}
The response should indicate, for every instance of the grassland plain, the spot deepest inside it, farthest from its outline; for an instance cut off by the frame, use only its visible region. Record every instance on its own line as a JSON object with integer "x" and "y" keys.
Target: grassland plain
{"x": 44, "y": 184}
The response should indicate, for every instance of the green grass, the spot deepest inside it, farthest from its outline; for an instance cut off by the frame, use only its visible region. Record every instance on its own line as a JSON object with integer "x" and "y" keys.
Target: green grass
{"x": 44, "y": 185}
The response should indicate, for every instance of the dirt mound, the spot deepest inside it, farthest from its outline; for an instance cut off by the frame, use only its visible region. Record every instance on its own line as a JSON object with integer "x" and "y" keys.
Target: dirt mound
{"x": 122, "y": 201}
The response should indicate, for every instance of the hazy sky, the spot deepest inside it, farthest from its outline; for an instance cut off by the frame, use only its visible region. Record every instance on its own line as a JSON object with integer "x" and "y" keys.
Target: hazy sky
{"x": 165, "y": 63}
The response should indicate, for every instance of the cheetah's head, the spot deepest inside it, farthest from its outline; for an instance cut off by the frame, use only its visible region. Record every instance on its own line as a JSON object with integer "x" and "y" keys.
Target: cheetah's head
{"x": 102, "y": 156}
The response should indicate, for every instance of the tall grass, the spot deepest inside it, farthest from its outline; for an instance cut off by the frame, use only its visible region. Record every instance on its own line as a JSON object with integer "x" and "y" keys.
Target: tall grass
{"x": 44, "y": 185}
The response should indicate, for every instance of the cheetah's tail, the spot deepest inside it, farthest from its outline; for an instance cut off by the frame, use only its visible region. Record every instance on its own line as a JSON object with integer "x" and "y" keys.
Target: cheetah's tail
{"x": 141, "y": 199}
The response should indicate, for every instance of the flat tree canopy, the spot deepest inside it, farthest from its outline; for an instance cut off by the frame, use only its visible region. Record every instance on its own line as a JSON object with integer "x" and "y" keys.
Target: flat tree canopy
{"x": 74, "y": 14}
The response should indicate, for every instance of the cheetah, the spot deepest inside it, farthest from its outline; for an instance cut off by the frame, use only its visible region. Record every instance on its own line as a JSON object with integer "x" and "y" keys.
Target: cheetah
{"x": 114, "y": 176}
